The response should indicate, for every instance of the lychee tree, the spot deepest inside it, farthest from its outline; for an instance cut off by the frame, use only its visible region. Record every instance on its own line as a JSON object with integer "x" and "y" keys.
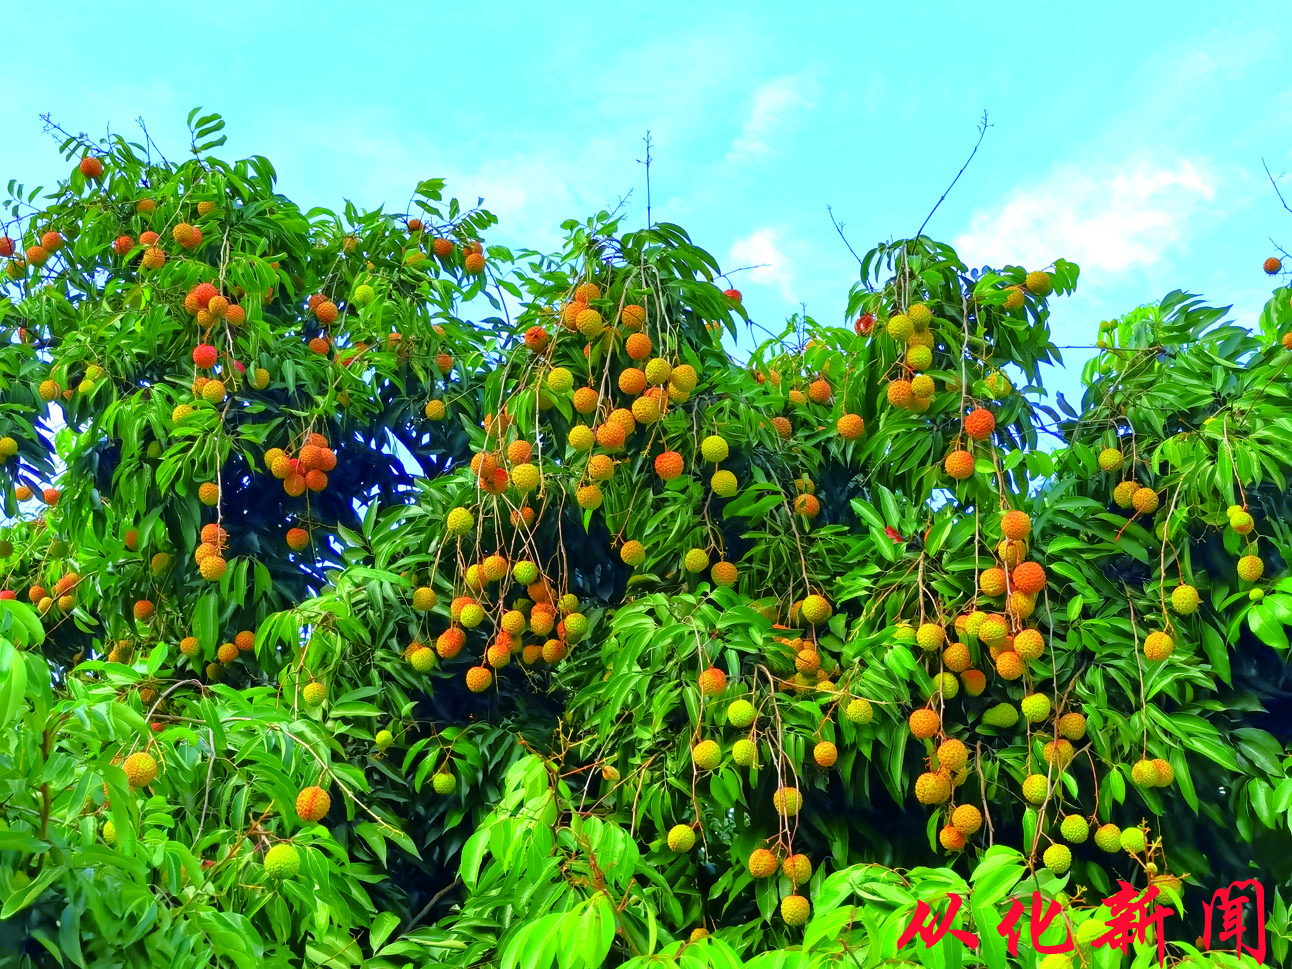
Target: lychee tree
{"x": 373, "y": 596}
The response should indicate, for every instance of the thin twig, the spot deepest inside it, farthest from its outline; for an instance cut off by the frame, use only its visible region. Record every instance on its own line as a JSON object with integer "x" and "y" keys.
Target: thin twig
{"x": 1274, "y": 182}
{"x": 982, "y": 131}
{"x": 838, "y": 227}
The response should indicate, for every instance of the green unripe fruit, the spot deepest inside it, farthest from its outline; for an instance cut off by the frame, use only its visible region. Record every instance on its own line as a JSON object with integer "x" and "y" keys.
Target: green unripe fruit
{"x": 1001, "y": 715}
{"x": 714, "y": 449}
{"x": 859, "y": 711}
{"x": 282, "y": 861}
{"x": 1109, "y": 838}
{"x": 364, "y": 294}
{"x": 471, "y": 616}
{"x": 741, "y": 713}
{"x": 1035, "y": 788}
{"x": 681, "y": 838}
{"x": 384, "y": 739}
{"x": 1035, "y": 707}
{"x": 724, "y": 484}
{"x": 444, "y": 782}
{"x": 576, "y": 626}
{"x": 1144, "y": 774}
{"x": 1185, "y": 600}
{"x": 1090, "y": 930}
{"x": 697, "y": 560}
{"x": 706, "y": 755}
{"x": 1075, "y": 829}
{"x": 459, "y": 521}
{"x": 947, "y": 684}
{"x": 1134, "y": 840}
{"x": 525, "y": 572}
{"x": 560, "y": 380}
{"x": 1058, "y": 858}
{"x": 743, "y": 752}
{"x": 109, "y": 832}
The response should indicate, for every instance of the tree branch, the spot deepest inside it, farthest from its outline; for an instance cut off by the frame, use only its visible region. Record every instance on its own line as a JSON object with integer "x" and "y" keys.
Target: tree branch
{"x": 982, "y": 132}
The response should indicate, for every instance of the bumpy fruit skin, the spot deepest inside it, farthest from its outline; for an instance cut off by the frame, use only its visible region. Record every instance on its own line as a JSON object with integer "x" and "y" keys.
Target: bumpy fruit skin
{"x": 1133, "y": 839}
{"x": 312, "y": 804}
{"x": 1145, "y": 501}
{"x": 1165, "y": 772}
{"x": 930, "y": 636}
{"x": 712, "y": 681}
{"x": 1144, "y": 774}
{"x": 1035, "y": 788}
{"x": 797, "y": 868}
{"x": 1072, "y": 726}
{"x": 850, "y": 426}
{"x": 762, "y": 863}
{"x": 959, "y": 465}
{"x": 384, "y": 739}
{"x": 1075, "y": 829}
{"x": 1124, "y": 494}
{"x": 141, "y": 769}
{"x": 706, "y": 755}
{"x": 787, "y": 801}
{"x": 1108, "y": 837}
{"x": 967, "y": 819}
{"x": 1058, "y": 858}
{"x": 1038, "y": 283}
{"x": 900, "y": 392}
{"x": 1035, "y": 707}
{"x": 681, "y": 838}
{"x": 795, "y": 909}
{"x": 282, "y": 861}
{"x": 741, "y": 713}
{"x": 459, "y": 521}
{"x": 1110, "y": 459}
{"x": 422, "y": 660}
{"x": 479, "y": 679}
{"x": 931, "y": 788}
{"x": 314, "y": 693}
{"x": 924, "y": 723}
{"x": 1029, "y": 644}
{"x": 1272, "y": 265}
{"x": 951, "y": 838}
{"x": 980, "y": 424}
{"x": 816, "y": 609}
{"x": 444, "y": 782}
{"x": 696, "y": 560}
{"x": 1015, "y": 525}
{"x": 1185, "y": 600}
{"x": 859, "y": 710}
{"x": 714, "y": 449}
{"x": 825, "y": 754}
{"x": 1250, "y": 568}
{"x": 1158, "y": 646}
{"x": 743, "y": 752}
{"x": 1028, "y": 578}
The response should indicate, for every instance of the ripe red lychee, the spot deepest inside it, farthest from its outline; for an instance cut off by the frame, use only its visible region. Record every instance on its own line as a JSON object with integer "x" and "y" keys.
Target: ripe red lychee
{"x": 91, "y": 167}
{"x": 980, "y": 424}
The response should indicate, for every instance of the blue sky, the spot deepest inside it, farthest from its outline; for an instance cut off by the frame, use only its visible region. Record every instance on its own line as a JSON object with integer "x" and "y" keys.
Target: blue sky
{"x": 1127, "y": 138}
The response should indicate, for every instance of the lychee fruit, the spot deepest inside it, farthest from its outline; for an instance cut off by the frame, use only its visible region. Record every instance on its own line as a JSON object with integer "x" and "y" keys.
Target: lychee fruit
{"x": 312, "y": 804}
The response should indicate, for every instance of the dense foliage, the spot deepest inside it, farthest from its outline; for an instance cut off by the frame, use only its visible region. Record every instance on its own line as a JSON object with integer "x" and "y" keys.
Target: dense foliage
{"x": 376, "y": 596}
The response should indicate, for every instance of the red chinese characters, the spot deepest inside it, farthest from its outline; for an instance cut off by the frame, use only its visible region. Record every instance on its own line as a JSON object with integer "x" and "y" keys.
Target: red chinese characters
{"x": 1230, "y": 902}
{"x": 1042, "y": 916}
{"x": 931, "y": 931}
{"x": 1131, "y": 919}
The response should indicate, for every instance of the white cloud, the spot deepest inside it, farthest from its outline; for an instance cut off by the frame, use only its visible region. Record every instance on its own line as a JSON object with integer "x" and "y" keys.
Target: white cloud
{"x": 763, "y": 248}
{"x": 1110, "y": 219}
{"x": 773, "y": 107}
